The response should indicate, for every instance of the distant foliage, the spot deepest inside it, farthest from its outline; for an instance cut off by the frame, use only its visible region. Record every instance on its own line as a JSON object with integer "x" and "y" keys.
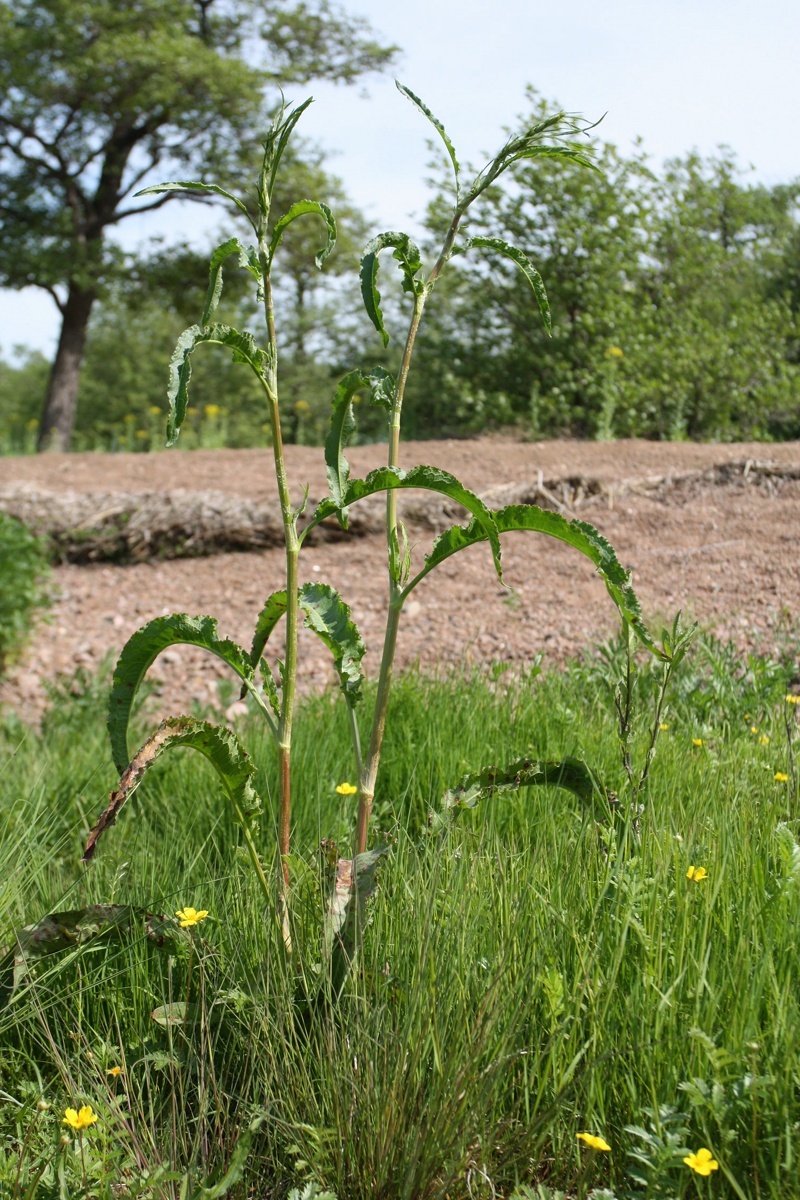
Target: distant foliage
{"x": 23, "y": 567}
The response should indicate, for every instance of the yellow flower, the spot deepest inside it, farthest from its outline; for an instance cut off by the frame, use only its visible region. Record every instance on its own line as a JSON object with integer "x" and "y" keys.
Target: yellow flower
{"x": 115, "y": 1071}
{"x": 664, "y": 725}
{"x": 698, "y": 874}
{"x": 763, "y": 740}
{"x": 697, "y": 741}
{"x": 792, "y": 699}
{"x": 615, "y": 352}
{"x": 302, "y": 406}
{"x": 781, "y": 777}
{"x": 79, "y": 1120}
{"x": 702, "y": 1162}
{"x": 155, "y": 411}
{"x": 191, "y": 916}
{"x": 596, "y": 1143}
{"x": 212, "y": 410}
{"x": 754, "y": 729}
{"x": 346, "y": 789}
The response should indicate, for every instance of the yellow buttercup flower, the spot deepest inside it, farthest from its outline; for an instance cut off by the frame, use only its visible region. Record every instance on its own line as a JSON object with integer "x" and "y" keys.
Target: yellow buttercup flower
{"x": 698, "y": 874}
{"x": 191, "y": 916}
{"x": 615, "y": 352}
{"x": 697, "y": 741}
{"x": 346, "y": 789}
{"x": 764, "y": 740}
{"x": 212, "y": 411}
{"x": 790, "y": 699}
{"x": 754, "y": 729}
{"x": 703, "y": 1162}
{"x": 664, "y": 725}
{"x": 115, "y": 1071}
{"x": 81, "y": 1119}
{"x": 596, "y": 1143}
{"x": 781, "y": 777}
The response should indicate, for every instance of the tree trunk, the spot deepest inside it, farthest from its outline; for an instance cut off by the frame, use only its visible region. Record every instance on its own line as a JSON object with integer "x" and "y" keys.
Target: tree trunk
{"x": 58, "y": 417}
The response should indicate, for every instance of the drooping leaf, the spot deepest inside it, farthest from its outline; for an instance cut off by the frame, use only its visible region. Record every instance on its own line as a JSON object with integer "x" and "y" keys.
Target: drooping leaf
{"x": 438, "y": 126}
{"x": 525, "y": 265}
{"x": 298, "y": 210}
{"x": 382, "y": 388}
{"x": 572, "y": 774}
{"x": 433, "y": 479}
{"x": 346, "y": 912}
{"x": 185, "y": 185}
{"x": 343, "y": 425}
{"x": 244, "y": 350}
{"x": 140, "y": 652}
{"x": 329, "y": 617}
{"x": 407, "y": 254}
{"x": 61, "y": 931}
{"x": 268, "y": 618}
{"x": 222, "y": 749}
{"x": 579, "y": 534}
{"x": 247, "y": 258}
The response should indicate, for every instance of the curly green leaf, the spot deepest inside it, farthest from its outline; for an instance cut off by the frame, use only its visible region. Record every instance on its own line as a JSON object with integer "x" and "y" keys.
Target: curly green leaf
{"x": 438, "y": 126}
{"x": 298, "y": 210}
{"x": 572, "y": 774}
{"x": 432, "y": 479}
{"x": 244, "y": 350}
{"x": 579, "y": 534}
{"x": 327, "y": 615}
{"x": 185, "y": 185}
{"x": 525, "y": 265}
{"x": 140, "y": 652}
{"x": 247, "y": 258}
{"x": 407, "y": 254}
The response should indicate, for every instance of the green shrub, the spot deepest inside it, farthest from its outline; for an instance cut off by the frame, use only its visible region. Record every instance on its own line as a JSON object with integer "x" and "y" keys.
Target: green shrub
{"x": 23, "y": 568}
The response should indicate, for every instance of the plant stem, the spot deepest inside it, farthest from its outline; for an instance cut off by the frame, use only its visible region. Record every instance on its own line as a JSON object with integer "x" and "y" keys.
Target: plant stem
{"x": 292, "y": 553}
{"x": 368, "y": 774}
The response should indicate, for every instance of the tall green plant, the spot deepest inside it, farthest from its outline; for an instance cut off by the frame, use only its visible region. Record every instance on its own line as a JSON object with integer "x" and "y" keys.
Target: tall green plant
{"x": 321, "y": 608}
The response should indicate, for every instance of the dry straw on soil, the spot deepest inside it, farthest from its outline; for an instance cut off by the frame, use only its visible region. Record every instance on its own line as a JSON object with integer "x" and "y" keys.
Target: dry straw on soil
{"x": 136, "y": 526}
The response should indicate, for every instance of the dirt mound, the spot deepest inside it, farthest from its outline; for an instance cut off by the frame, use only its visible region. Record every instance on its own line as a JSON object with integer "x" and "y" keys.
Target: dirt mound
{"x": 714, "y": 530}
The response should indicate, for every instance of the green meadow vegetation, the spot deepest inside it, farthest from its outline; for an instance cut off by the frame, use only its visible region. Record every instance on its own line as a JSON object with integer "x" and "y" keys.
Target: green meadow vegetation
{"x": 507, "y": 934}
{"x": 522, "y": 979}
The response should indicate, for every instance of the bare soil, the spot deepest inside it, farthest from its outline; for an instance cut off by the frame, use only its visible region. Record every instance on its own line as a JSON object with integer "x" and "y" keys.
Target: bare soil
{"x": 728, "y": 554}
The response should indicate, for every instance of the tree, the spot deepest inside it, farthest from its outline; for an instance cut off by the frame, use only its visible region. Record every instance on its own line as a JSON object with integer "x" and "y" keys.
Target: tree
{"x": 673, "y": 296}
{"x": 97, "y": 94}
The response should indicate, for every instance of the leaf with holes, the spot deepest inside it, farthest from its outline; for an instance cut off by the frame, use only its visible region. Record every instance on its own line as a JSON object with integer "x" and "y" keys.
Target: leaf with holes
{"x": 218, "y": 745}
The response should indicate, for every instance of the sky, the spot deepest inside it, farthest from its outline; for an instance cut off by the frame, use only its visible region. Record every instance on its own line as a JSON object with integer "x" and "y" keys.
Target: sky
{"x": 678, "y": 74}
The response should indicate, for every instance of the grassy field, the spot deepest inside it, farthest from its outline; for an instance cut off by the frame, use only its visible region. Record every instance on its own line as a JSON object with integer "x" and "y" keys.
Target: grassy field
{"x": 526, "y": 976}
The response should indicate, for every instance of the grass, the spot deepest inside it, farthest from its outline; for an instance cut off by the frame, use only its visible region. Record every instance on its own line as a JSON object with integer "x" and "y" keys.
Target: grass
{"x": 521, "y": 982}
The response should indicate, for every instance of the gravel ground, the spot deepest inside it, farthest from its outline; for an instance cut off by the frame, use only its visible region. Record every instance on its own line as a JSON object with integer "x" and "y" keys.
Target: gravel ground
{"x": 727, "y": 555}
